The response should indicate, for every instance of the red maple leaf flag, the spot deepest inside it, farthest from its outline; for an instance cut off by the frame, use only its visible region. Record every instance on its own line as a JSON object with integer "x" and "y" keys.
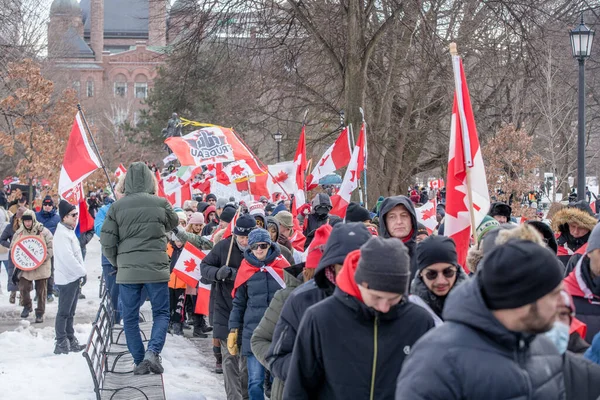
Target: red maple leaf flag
{"x": 341, "y": 200}
{"x": 337, "y": 156}
{"x": 79, "y": 161}
{"x": 187, "y": 267}
{"x": 426, "y": 215}
{"x": 283, "y": 179}
{"x": 300, "y": 161}
{"x": 464, "y": 153}
{"x": 282, "y": 176}
{"x": 120, "y": 171}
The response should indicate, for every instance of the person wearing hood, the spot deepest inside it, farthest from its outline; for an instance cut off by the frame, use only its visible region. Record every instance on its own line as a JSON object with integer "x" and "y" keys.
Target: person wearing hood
{"x": 380, "y": 327}
{"x": 439, "y": 274}
{"x": 29, "y": 226}
{"x": 220, "y": 267}
{"x": 321, "y": 205}
{"x": 50, "y": 219}
{"x": 257, "y": 210}
{"x": 490, "y": 346}
{"x": 259, "y": 277}
{"x": 344, "y": 238}
{"x": 134, "y": 240}
{"x": 574, "y": 223}
{"x": 294, "y": 276}
{"x": 70, "y": 276}
{"x": 284, "y": 243}
{"x": 501, "y": 212}
{"x": 399, "y": 220}
{"x": 583, "y": 283}
{"x": 211, "y": 219}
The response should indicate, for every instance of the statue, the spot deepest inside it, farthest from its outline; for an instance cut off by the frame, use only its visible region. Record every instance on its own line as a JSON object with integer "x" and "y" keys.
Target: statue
{"x": 173, "y": 129}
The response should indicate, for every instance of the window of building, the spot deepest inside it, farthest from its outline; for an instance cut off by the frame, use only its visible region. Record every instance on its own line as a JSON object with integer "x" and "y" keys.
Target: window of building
{"x": 90, "y": 88}
{"x": 141, "y": 90}
{"x": 120, "y": 85}
{"x": 77, "y": 86}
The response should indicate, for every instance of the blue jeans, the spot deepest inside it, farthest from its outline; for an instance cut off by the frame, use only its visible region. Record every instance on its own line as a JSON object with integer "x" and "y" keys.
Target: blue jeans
{"x": 256, "y": 378}
{"x": 110, "y": 279}
{"x": 10, "y": 268}
{"x": 131, "y": 296}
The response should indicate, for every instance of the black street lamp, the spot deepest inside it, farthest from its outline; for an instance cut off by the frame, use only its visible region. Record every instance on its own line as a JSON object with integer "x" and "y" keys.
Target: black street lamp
{"x": 581, "y": 43}
{"x": 278, "y": 136}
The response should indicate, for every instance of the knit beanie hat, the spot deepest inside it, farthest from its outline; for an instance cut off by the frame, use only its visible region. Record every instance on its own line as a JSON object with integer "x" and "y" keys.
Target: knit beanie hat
{"x": 221, "y": 203}
{"x": 48, "y": 201}
{"x": 547, "y": 233}
{"x": 228, "y": 213}
{"x": 256, "y": 208}
{"x": 181, "y": 215}
{"x": 422, "y": 229}
{"x": 384, "y": 265}
{"x": 244, "y": 225}
{"x": 316, "y": 247}
{"x": 258, "y": 235}
{"x": 436, "y": 249}
{"x": 196, "y": 218}
{"x": 518, "y": 273}
{"x": 202, "y": 206}
{"x": 487, "y": 224}
{"x": 64, "y": 207}
{"x": 211, "y": 196}
{"x": 356, "y": 213}
{"x": 594, "y": 240}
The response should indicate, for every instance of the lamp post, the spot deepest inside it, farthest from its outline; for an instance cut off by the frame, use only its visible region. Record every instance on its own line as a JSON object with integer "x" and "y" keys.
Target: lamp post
{"x": 581, "y": 45}
{"x": 278, "y": 136}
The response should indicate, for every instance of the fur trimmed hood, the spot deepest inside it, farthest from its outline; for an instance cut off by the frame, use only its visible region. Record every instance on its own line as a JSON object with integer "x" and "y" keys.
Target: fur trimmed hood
{"x": 572, "y": 215}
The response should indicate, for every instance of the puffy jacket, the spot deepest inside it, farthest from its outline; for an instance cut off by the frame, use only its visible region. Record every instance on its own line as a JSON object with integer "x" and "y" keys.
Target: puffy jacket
{"x": 473, "y": 356}
{"x": 410, "y": 242}
{"x": 197, "y": 241}
{"x": 133, "y": 235}
{"x": 50, "y": 220}
{"x": 37, "y": 229}
{"x": 582, "y": 378}
{"x": 220, "y": 291}
{"x": 346, "y": 350}
{"x": 252, "y": 298}
{"x": 586, "y": 297}
{"x": 567, "y": 244}
{"x": 263, "y": 334}
{"x": 343, "y": 239}
{"x": 68, "y": 261}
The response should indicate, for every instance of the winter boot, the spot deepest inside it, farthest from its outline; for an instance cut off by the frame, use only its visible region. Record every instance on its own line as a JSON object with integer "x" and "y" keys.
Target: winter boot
{"x": 219, "y": 358}
{"x": 62, "y": 347}
{"x": 81, "y": 296}
{"x": 75, "y": 346}
{"x": 199, "y": 334}
{"x": 50, "y": 298}
{"x": 177, "y": 329}
{"x": 186, "y": 325}
{"x": 200, "y": 323}
{"x": 153, "y": 361}
{"x": 39, "y": 318}
{"x": 26, "y": 311}
{"x": 13, "y": 297}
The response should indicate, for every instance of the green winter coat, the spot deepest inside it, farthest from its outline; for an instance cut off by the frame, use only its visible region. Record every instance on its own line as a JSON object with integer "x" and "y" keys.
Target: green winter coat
{"x": 263, "y": 334}
{"x": 133, "y": 235}
{"x": 197, "y": 241}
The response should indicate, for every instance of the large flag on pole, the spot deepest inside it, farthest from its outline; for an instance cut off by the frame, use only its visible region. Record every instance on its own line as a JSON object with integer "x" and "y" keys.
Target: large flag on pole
{"x": 79, "y": 162}
{"x": 341, "y": 200}
{"x": 467, "y": 197}
{"x": 337, "y": 156}
{"x": 300, "y": 161}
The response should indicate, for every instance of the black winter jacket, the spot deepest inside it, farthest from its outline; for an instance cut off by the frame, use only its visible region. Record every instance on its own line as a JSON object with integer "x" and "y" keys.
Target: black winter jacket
{"x": 357, "y": 354}
{"x": 220, "y": 291}
{"x": 473, "y": 356}
{"x": 582, "y": 378}
{"x": 388, "y": 204}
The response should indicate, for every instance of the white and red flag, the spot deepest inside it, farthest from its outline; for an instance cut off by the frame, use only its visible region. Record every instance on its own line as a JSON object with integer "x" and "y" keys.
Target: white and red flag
{"x": 464, "y": 155}
{"x": 426, "y": 215}
{"x": 337, "y": 156}
{"x": 121, "y": 170}
{"x": 357, "y": 163}
{"x": 300, "y": 161}
{"x": 79, "y": 162}
{"x": 282, "y": 179}
{"x": 187, "y": 269}
{"x": 436, "y": 184}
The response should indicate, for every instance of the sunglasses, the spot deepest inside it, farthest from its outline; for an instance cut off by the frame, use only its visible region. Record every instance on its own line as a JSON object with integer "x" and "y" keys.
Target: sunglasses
{"x": 257, "y": 246}
{"x": 431, "y": 274}
{"x": 73, "y": 214}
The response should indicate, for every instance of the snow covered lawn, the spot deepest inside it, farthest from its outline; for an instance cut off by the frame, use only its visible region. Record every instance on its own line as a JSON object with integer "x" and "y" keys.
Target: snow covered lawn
{"x": 30, "y": 370}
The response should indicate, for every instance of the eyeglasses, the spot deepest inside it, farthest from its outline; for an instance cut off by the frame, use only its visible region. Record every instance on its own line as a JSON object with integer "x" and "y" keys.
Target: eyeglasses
{"x": 257, "y": 246}
{"x": 73, "y": 214}
{"x": 431, "y": 274}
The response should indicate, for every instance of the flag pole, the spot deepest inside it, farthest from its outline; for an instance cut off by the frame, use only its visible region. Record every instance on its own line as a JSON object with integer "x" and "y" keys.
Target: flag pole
{"x": 362, "y": 112}
{"x": 304, "y": 172}
{"x": 360, "y": 193}
{"x": 465, "y": 134}
{"x": 95, "y": 146}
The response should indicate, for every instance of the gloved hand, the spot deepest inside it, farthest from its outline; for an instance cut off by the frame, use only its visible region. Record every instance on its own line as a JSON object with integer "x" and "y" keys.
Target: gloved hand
{"x": 232, "y": 345}
{"x": 83, "y": 280}
{"x": 176, "y": 230}
{"x": 224, "y": 272}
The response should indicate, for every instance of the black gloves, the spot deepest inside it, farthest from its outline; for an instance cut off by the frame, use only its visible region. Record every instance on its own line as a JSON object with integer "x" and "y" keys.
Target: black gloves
{"x": 224, "y": 272}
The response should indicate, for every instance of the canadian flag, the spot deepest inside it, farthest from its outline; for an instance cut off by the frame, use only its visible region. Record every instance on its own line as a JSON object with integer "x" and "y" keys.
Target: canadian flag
{"x": 187, "y": 269}
{"x": 426, "y": 215}
{"x": 357, "y": 163}
{"x": 436, "y": 184}
{"x": 229, "y": 230}
{"x": 337, "y": 156}
{"x": 244, "y": 176}
{"x": 300, "y": 161}
{"x": 464, "y": 153}
{"x": 282, "y": 178}
{"x": 120, "y": 171}
{"x": 177, "y": 185}
{"x": 179, "y": 195}
{"x": 78, "y": 163}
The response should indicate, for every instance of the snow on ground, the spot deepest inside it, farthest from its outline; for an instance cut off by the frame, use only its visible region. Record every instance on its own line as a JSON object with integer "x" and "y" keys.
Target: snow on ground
{"x": 30, "y": 370}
